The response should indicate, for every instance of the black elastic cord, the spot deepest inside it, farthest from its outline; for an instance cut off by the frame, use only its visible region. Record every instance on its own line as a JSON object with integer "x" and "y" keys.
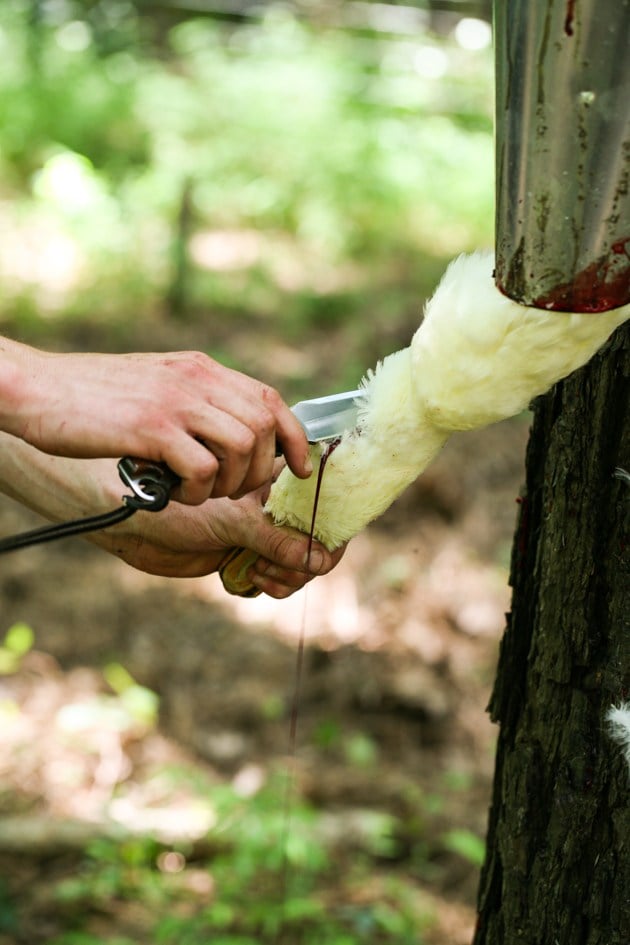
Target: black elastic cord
{"x": 65, "y": 529}
{"x": 151, "y": 484}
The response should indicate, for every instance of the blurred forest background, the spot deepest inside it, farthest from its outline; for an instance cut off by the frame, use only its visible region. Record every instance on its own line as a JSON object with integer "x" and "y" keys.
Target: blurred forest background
{"x": 280, "y": 185}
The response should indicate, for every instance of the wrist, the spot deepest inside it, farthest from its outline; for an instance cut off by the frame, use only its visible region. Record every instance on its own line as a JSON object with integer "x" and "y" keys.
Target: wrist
{"x": 18, "y": 369}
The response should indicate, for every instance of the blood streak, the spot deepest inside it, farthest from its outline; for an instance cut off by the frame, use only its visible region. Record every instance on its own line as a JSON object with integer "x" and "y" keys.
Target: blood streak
{"x": 295, "y": 702}
{"x": 603, "y": 285}
{"x": 330, "y": 448}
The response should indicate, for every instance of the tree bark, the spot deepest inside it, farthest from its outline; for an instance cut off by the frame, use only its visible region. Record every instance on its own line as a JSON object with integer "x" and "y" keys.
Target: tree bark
{"x": 557, "y": 868}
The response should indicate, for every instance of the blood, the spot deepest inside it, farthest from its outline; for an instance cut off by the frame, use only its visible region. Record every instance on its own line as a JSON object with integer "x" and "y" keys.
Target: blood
{"x": 297, "y": 690}
{"x": 329, "y": 448}
{"x": 568, "y": 20}
{"x": 620, "y": 248}
{"x": 603, "y": 285}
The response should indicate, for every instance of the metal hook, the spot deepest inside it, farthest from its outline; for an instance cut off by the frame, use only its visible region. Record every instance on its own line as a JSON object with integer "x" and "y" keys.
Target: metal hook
{"x": 150, "y": 482}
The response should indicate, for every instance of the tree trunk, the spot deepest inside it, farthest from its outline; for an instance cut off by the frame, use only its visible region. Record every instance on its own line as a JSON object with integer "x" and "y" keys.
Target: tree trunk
{"x": 557, "y": 868}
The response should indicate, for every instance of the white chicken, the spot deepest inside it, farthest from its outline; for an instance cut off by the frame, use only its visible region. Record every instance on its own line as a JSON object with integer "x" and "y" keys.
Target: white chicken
{"x": 618, "y": 718}
{"x": 478, "y": 357}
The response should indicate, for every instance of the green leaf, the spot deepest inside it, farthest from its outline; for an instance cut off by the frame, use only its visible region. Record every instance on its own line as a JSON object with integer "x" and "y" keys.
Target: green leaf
{"x": 466, "y": 844}
{"x": 19, "y": 639}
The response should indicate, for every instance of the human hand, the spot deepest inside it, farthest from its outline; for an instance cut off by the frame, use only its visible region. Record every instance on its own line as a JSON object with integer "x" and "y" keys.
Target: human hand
{"x": 214, "y": 427}
{"x": 187, "y": 542}
{"x": 179, "y": 541}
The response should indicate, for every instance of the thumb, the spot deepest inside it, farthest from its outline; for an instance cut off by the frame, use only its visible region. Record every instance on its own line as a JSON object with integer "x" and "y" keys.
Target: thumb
{"x": 289, "y": 548}
{"x": 245, "y": 525}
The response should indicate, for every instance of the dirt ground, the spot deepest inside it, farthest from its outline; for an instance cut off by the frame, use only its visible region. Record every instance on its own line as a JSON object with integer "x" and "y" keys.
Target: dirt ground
{"x": 401, "y": 644}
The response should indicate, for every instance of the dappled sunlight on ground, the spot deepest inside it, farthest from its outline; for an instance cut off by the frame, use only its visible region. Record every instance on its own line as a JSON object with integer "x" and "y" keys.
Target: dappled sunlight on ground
{"x": 143, "y": 695}
{"x": 401, "y": 642}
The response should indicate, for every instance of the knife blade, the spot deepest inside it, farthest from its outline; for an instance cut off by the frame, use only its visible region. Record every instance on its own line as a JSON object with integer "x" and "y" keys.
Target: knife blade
{"x": 325, "y": 418}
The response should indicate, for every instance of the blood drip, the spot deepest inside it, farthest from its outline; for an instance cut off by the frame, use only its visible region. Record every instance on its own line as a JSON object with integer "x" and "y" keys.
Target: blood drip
{"x": 330, "y": 448}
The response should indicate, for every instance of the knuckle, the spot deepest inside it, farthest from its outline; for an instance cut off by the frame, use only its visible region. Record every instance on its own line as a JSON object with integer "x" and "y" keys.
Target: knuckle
{"x": 270, "y": 397}
{"x": 207, "y": 468}
{"x": 266, "y": 422}
{"x": 287, "y": 552}
{"x": 158, "y": 426}
{"x": 194, "y": 364}
{"x": 244, "y": 442}
{"x": 187, "y": 364}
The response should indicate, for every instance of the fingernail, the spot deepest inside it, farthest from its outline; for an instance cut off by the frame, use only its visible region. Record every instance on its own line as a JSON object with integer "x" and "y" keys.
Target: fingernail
{"x": 272, "y": 571}
{"x": 308, "y": 465}
{"x": 314, "y": 561}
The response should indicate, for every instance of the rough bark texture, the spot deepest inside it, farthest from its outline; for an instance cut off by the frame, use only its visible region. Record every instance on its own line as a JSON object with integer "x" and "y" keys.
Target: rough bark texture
{"x": 557, "y": 870}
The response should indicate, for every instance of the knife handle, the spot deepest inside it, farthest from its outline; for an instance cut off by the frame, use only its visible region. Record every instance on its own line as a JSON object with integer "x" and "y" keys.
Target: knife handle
{"x": 233, "y": 572}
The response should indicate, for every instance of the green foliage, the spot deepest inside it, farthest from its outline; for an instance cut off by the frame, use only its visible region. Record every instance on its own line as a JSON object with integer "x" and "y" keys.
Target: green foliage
{"x": 328, "y": 733}
{"x": 8, "y": 912}
{"x": 18, "y": 641}
{"x": 57, "y": 89}
{"x": 85, "y": 938}
{"x": 141, "y": 703}
{"x": 266, "y": 167}
{"x": 271, "y": 878}
{"x": 270, "y": 171}
{"x": 465, "y": 844}
{"x": 112, "y": 871}
{"x": 457, "y": 780}
{"x": 361, "y": 751}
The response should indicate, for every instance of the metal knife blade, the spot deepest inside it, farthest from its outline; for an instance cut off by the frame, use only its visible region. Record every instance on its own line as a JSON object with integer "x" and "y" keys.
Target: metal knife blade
{"x": 325, "y": 418}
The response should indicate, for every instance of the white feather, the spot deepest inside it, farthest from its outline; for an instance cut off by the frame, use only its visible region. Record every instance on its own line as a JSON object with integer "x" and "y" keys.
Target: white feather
{"x": 618, "y": 718}
{"x": 370, "y": 467}
{"x": 477, "y": 358}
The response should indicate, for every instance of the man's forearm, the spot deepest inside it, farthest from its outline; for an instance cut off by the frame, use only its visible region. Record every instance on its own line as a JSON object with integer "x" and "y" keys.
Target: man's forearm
{"x": 17, "y": 363}
{"x": 53, "y": 486}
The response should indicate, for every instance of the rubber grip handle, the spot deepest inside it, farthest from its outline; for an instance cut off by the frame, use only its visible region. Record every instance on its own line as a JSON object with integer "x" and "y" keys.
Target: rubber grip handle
{"x": 233, "y": 572}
